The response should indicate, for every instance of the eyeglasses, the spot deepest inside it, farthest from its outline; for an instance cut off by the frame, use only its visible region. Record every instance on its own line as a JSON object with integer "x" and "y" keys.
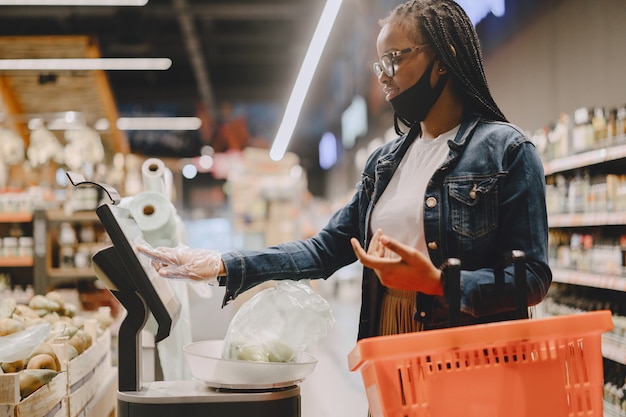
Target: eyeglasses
{"x": 388, "y": 62}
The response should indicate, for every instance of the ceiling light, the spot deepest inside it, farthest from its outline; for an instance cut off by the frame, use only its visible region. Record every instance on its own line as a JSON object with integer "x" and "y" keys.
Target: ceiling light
{"x": 69, "y": 120}
{"x": 205, "y": 162}
{"x": 159, "y": 123}
{"x": 101, "y": 124}
{"x": 73, "y": 2}
{"x": 301, "y": 87}
{"x": 189, "y": 171}
{"x": 328, "y": 151}
{"x": 60, "y": 64}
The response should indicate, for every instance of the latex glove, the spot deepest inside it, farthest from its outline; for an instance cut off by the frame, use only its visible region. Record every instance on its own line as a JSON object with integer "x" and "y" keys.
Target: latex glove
{"x": 183, "y": 262}
{"x": 398, "y": 265}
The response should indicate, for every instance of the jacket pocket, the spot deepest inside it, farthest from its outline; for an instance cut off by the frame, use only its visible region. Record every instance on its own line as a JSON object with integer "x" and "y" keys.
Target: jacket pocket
{"x": 473, "y": 205}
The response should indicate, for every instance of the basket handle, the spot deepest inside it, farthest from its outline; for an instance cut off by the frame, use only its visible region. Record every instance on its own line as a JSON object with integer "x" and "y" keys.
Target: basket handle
{"x": 452, "y": 270}
{"x": 518, "y": 258}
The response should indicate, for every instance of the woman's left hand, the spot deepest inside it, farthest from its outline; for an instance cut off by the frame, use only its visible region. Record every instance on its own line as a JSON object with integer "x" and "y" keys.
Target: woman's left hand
{"x": 409, "y": 270}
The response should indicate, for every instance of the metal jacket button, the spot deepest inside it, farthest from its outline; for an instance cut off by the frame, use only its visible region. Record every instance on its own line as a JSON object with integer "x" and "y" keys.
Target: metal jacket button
{"x": 432, "y": 245}
{"x": 431, "y": 202}
{"x": 472, "y": 192}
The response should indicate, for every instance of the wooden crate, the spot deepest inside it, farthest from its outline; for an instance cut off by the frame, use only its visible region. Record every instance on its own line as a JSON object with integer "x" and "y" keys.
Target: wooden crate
{"x": 104, "y": 403}
{"x": 48, "y": 401}
{"x": 71, "y": 392}
{"x": 87, "y": 373}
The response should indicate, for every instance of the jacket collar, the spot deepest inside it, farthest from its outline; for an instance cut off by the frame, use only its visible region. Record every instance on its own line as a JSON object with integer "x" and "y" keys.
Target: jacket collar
{"x": 456, "y": 145}
{"x": 399, "y": 147}
{"x": 467, "y": 127}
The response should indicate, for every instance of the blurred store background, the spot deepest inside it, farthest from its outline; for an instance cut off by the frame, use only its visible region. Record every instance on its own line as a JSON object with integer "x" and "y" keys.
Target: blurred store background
{"x": 224, "y": 73}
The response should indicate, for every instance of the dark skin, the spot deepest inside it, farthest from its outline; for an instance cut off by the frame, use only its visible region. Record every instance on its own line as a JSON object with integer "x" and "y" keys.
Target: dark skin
{"x": 398, "y": 265}
{"x": 399, "y": 271}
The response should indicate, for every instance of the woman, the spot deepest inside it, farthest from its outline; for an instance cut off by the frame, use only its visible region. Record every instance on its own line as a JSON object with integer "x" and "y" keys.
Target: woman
{"x": 462, "y": 183}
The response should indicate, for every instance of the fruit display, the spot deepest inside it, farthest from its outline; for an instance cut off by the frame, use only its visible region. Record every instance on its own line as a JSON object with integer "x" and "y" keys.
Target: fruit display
{"x": 66, "y": 329}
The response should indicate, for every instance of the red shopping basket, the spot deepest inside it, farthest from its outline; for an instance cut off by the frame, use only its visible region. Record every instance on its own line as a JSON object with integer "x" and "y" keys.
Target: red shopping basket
{"x": 548, "y": 367}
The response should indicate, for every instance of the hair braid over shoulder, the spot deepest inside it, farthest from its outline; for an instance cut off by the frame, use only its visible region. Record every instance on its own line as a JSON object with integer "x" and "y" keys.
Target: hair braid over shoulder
{"x": 446, "y": 27}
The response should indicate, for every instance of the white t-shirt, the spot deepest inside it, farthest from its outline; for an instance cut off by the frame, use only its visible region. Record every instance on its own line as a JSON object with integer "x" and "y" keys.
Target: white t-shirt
{"x": 399, "y": 211}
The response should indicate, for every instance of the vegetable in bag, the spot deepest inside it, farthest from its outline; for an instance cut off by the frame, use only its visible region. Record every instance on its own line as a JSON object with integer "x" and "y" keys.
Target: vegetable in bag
{"x": 278, "y": 324}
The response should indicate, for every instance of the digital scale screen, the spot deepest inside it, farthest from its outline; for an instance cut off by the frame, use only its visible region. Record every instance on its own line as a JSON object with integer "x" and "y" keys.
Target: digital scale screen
{"x": 160, "y": 298}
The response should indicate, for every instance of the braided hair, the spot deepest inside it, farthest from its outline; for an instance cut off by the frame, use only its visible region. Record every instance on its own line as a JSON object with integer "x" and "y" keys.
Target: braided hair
{"x": 446, "y": 26}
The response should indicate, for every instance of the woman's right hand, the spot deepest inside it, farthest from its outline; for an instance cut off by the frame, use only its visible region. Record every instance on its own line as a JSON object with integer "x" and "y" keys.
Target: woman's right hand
{"x": 183, "y": 262}
{"x": 398, "y": 265}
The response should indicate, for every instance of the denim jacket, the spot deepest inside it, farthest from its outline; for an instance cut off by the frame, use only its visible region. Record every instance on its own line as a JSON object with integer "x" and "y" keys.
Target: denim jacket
{"x": 485, "y": 200}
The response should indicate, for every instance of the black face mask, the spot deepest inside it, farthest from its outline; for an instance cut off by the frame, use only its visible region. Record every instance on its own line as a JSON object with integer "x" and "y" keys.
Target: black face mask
{"x": 414, "y": 103}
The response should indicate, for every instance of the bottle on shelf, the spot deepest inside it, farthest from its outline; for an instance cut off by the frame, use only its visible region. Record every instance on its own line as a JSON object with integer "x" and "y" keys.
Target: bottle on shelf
{"x": 558, "y": 137}
{"x": 599, "y": 124}
{"x": 620, "y": 123}
{"x": 578, "y": 190}
{"x": 67, "y": 241}
{"x": 9, "y": 245}
{"x": 582, "y": 132}
{"x": 611, "y": 125}
{"x": 614, "y": 389}
{"x": 25, "y": 247}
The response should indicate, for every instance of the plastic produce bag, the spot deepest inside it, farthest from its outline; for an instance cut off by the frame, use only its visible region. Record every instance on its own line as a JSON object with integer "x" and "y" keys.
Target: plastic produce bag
{"x": 20, "y": 345}
{"x": 277, "y": 324}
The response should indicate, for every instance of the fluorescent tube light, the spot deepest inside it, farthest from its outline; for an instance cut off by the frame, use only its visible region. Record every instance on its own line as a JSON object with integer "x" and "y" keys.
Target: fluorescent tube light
{"x": 159, "y": 123}
{"x": 303, "y": 82}
{"x": 60, "y": 64}
{"x": 73, "y": 2}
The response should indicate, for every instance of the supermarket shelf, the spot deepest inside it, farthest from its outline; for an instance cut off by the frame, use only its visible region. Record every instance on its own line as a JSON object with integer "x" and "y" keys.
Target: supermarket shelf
{"x": 77, "y": 216}
{"x": 581, "y": 160}
{"x": 613, "y": 348}
{"x": 21, "y": 261}
{"x": 57, "y": 276}
{"x": 70, "y": 273}
{"x": 586, "y": 219}
{"x": 47, "y": 272}
{"x": 568, "y": 276}
{"x": 611, "y": 410}
{"x": 23, "y": 217}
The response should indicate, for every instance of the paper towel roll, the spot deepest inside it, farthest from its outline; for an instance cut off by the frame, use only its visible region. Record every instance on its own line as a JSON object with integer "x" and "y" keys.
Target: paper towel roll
{"x": 168, "y": 180}
{"x": 153, "y": 171}
{"x": 156, "y": 218}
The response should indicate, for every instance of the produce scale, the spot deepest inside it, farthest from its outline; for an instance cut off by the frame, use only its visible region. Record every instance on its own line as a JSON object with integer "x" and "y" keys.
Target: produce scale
{"x": 220, "y": 387}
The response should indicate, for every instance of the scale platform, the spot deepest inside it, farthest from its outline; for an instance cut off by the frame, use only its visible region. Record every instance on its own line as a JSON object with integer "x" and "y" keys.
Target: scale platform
{"x": 194, "y": 398}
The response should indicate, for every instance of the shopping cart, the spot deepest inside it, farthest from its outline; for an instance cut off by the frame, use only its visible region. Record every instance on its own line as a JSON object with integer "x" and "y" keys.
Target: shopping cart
{"x": 547, "y": 367}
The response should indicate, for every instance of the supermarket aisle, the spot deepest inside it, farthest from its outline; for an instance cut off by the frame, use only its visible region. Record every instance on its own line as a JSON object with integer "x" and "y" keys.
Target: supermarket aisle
{"x": 332, "y": 390}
